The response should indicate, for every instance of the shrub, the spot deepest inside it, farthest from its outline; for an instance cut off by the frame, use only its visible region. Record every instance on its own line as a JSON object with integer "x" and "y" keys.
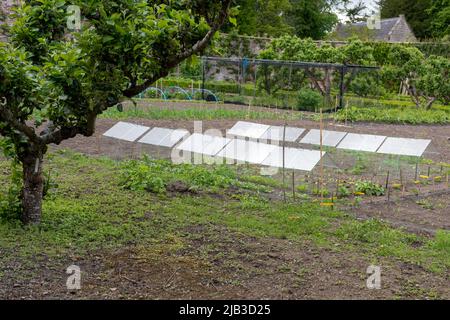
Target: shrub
{"x": 308, "y": 100}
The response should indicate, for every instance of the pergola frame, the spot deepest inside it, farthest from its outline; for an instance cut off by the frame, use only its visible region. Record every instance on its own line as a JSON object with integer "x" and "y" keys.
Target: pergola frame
{"x": 243, "y": 62}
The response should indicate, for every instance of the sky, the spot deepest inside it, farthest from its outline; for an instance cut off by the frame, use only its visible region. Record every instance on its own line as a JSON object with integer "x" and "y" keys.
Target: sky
{"x": 369, "y": 3}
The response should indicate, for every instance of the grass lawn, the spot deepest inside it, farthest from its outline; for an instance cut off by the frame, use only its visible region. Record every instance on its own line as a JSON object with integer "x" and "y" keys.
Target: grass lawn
{"x": 100, "y": 205}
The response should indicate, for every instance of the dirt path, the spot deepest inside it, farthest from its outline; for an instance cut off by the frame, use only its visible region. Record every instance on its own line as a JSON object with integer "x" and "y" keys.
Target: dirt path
{"x": 216, "y": 263}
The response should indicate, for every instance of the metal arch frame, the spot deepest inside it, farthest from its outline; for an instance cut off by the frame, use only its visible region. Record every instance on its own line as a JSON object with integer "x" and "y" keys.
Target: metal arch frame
{"x": 203, "y": 91}
{"x": 179, "y": 89}
{"x": 164, "y": 96}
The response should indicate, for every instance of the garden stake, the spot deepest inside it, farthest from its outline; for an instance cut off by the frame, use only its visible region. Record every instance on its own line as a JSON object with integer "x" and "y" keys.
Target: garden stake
{"x": 321, "y": 155}
{"x": 417, "y": 170}
{"x": 337, "y": 188}
{"x": 387, "y": 179}
{"x": 293, "y": 184}
{"x": 284, "y": 162}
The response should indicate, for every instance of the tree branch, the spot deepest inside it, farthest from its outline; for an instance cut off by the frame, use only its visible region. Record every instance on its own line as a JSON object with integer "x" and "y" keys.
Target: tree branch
{"x": 199, "y": 46}
{"x": 7, "y": 116}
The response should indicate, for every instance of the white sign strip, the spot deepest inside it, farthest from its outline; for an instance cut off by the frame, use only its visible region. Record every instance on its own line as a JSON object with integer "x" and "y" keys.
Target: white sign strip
{"x": 361, "y": 142}
{"x": 164, "y": 137}
{"x": 248, "y": 130}
{"x": 329, "y": 138}
{"x": 204, "y": 144}
{"x": 247, "y": 151}
{"x": 275, "y": 133}
{"x": 297, "y": 159}
{"x": 173, "y": 138}
{"x": 403, "y": 146}
{"x": 155, "y": 136}
{"x": 126, "y": 131}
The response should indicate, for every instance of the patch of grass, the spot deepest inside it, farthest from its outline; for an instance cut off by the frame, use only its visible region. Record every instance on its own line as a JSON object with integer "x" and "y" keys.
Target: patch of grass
{"x": 405, "y": 115}
{"x": 262, "y": 180}
{"x": 382, "y": 240}
{"x": 89, "y": 211}
{"x": 192, "y": 113}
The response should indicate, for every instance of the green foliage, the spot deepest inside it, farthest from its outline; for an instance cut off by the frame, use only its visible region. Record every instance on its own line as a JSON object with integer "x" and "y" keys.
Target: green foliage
{"x": 415, "y": 11}
{"x": 10, "y": 203}
{"x": 365, "y": 85}
{"x": 434, "y": 79}
{"x": 405, "y": 115}
{"x": 343, "y": 191}
{"x": 309, "y": 100}
{"x": 312, "y": 19}
{"x": 440, "y": 18}
{"x": 63, "y": 79}
{"x": 87, "y": 219}
{"x": 369, "y": 188}
{"x": 157, "y": 175}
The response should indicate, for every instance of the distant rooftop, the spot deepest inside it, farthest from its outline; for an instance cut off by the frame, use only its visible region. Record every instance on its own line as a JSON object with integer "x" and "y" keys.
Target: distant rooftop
{"x": 390, "y": 30}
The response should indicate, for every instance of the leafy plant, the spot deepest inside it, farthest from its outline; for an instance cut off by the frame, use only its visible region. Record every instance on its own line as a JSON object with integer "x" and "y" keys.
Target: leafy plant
{"x": 369, "y": 188}
{"x": 10, "y": 203}
{"x": 309, "y": 100}
{"x": 61, "y": 83}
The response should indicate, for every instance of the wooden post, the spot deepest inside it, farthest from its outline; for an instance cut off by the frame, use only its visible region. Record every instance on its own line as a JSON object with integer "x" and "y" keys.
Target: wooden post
{"x": 387, "y": 179}
{"x": 417, "y": 170}
{"x": 337, "y": 188}
{"x": 321, "y": 155}
{"x": 293, "y": 184}
{"x": 284, "y": 162}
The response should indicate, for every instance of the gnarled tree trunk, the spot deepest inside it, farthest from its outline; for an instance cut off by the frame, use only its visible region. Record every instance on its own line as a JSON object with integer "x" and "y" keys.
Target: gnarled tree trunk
{"x": 33, "y": 188}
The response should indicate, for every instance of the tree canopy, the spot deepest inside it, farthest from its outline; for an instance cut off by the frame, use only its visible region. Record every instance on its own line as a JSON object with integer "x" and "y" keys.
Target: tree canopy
{"x": 427, "y": 18}
{"x": 54, "y": 82}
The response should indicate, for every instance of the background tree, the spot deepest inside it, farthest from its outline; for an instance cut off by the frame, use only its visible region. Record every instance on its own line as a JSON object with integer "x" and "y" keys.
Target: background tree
{"x": 440, "y": 19}
{"x": 53, "y": 85}
{"x": 356, "y": 12}
{"x": 312, "y": 19}
{"x": 426, "y": 79}
{"x": 416, "y": 13}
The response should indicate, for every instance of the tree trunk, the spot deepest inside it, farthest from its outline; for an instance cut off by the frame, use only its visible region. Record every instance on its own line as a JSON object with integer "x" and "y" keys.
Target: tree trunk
{"x": 33, "y": 189}
{"x": 430, "y": 103}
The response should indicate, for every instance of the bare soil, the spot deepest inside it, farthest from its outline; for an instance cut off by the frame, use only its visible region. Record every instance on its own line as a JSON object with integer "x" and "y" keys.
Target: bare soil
{"x": 220, "y": 264}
